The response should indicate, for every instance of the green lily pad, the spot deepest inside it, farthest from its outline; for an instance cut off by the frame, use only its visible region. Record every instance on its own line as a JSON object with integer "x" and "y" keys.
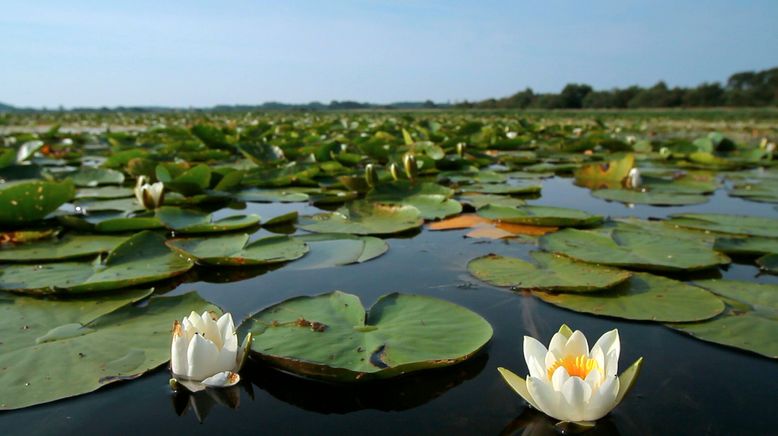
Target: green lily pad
{"x": 644, "y": 297}
{"x": 432, "y": 200}
{"x": 769, "y": 263}
{"x": 331, "y": 336}
{"x": 605, "y": 175}
{"x": 271, "y": 195}
{"x": 97, "y": 176}
{"x": 753, "y": 245}
{"x": 112, "y": 221}
{"x": 365, "y": 218}
{"x": 750, "y": 321}
{"x": 549, "y": 272}
{"x": 284, "y": 218}
{"x": 765, "y": 191}
{"x": 478, "y": 201}
{"x": 191, "y": 182}
{"x": 649, "y": 197}
{"x": 126, "y": 205}
{"x": 54, "y": 349}
{"x": 501, "y": 188}
{"x": 24, "y": 201}
{"x": 104, "y": 192}
{"x": 734, "y": 224}
{"x": 633, "y": 249}
{"x": 142, "y": 258}
{"x": 234, "y": 250}
{"x": 540, "y": 216}
{"x": 70, "y": 246}
{"x": 190, "y": 221}
{"x": 335, "y": 249}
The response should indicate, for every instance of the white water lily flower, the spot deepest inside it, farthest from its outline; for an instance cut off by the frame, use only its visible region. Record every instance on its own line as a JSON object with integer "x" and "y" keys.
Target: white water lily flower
{"x": 148, "y": 195}
{"x": 633, "y": 179}
{"x": 570, "y": 382}
{"x": 205, "y": 351}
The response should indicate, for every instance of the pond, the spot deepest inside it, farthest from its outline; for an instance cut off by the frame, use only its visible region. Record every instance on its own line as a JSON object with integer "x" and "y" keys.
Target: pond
{"x": 686, "y": 386}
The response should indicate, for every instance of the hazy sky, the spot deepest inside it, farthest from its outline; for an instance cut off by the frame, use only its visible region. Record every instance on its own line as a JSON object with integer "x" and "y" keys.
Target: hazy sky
{"x": 201, "y": 53}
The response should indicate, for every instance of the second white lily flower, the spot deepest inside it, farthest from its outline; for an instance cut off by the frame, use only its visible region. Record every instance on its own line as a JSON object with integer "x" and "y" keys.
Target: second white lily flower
{"x": 148, "y": 195}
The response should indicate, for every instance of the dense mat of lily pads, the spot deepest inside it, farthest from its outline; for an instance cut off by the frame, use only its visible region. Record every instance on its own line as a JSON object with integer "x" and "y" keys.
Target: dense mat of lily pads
{"x": 93, "y": 223}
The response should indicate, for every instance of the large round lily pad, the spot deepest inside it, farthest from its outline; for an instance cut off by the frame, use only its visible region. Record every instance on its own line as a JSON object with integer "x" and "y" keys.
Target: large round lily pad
{"x": 735, "y": 224}
{"x": 750, "y": 321}
{"x": 30, "y": 200}
{"x": 753, "y": 245}
{"x": 54, "y": 349}
{"x": 190, "y": 221}
{"x": 331, "y": 336}
{"x": 432, "y": 200}
{"x": 643, "y": 297}
{"x": 769, "y": 263}
{"x": 70, "y": 246}
{"x": 142, "y": 258}
{"x": 633, "y": 249}
{"x": 365, "y": 218}
{"x": 540, "y": 216}
{"x": 234, "y": 250}
{"x": 550, "y": 272}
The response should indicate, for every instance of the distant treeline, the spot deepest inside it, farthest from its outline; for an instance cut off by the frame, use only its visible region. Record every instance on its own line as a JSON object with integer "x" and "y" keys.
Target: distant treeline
{"x": 751, "y": 89}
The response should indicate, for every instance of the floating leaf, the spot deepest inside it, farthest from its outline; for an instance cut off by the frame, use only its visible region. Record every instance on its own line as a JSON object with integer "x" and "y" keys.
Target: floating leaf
{"x": 75, "y": 346}
{"x": 97, "y": 176}
{"x": 735, "y": 224}
{"x": 365, "y": 218}
{"x": 142, "y": 258}
{"x": 432, "y": 200}
{"x": 765, "y": 191}
{"x": 24, "y": 201}
{"x": 335, "y": 249}
{"x": 540, "y": 216}
{"x": 633, "y": 249}
{"x": 769, "y": 263}
{"x": 649, "y": 197}
{"x": 191, "y": 221}
{"x": 234, "y": 250}
{"x": 104, "y": 192}
{"x": 270, "y": 195}
{"x": 478, "y": 201}
{"x": 750, "y": 321}
{"x": 549, "y": 272}
{"x": 500, "y": 188}
{"x": 605, "y": 175}
{"x": 70, "y": 246}
{"x": 644, "y": 297}
{"x": 753, "y": 245}
{"x": 331, "y": 336}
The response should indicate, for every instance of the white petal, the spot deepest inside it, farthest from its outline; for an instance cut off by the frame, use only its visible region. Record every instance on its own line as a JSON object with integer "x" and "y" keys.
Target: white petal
{"x": 534, "y": 355}
{"x": 598, "y": 356}
{"x": 611, "y": 347}
{"x": 594, "y": 378}
{"x": 211, "y": 330}
{"x": 603, "y": 399}
{"x": 557, "y": 344}
{"x": 559, "y": 378}
{"x": 178, "y": 357}
{"x": 576, "y": 345}
{"x": 228, "y": 357}
{"x": 226, "y": 326}
{"x": 222, "y": 380}
{"x": 203, "y": 357}
{"x": 547, "y": 399}
{"x": 551, "y": 359}
{"x": 576, "y": 394}
{"x": 196, "y": 322}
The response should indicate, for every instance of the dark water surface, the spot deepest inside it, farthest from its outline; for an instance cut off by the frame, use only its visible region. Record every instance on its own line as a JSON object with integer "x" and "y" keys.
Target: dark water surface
{"x": 686, "y": 386}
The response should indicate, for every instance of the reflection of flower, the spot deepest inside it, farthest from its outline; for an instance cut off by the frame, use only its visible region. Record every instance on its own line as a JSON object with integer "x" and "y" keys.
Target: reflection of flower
{"x": 205, "y": 352}
{"x": 149, "y": 196}
{"x": 569, "y": 382}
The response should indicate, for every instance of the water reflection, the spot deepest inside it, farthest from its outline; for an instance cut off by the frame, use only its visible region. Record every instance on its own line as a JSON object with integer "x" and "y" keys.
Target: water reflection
{"x": 201, "y": 403}
{"x": 401, "y": 393}
{"x": 534, "y": 423}
{"x": 222, "y": 274}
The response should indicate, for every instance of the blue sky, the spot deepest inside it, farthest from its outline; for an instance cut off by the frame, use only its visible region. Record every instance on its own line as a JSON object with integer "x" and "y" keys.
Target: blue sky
{"x": 201, "y": 53}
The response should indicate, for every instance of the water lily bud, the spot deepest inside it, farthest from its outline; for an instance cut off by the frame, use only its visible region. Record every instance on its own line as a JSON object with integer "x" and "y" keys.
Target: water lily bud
{"x": 394, "y": 171}
{"x": 633, "y": 179}
{"x": 631, "y": 140}
{"x": 409, "y": 162}
{"x": 763, "y": 143}
{"x": 511, "y": 135}
{"x": 577, "y": 131}
{"x": 570, "y": 382}
{"x": 67, "y": 142}
{"x": 770, "y": 147}
{"x": 461, "y": 148}
{"x": 149, "y": 196}
{"x": 205, "y": 352}
{"x": 665, "y": 152}
{"x": 370, "y": 176}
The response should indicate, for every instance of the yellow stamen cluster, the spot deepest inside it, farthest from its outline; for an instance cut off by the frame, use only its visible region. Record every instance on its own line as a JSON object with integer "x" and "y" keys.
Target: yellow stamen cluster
{"x": 579, "y": 366}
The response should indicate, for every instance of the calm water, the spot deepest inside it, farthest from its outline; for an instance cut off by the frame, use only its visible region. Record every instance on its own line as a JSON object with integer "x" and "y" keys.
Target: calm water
{"x": 686, "y": 386}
